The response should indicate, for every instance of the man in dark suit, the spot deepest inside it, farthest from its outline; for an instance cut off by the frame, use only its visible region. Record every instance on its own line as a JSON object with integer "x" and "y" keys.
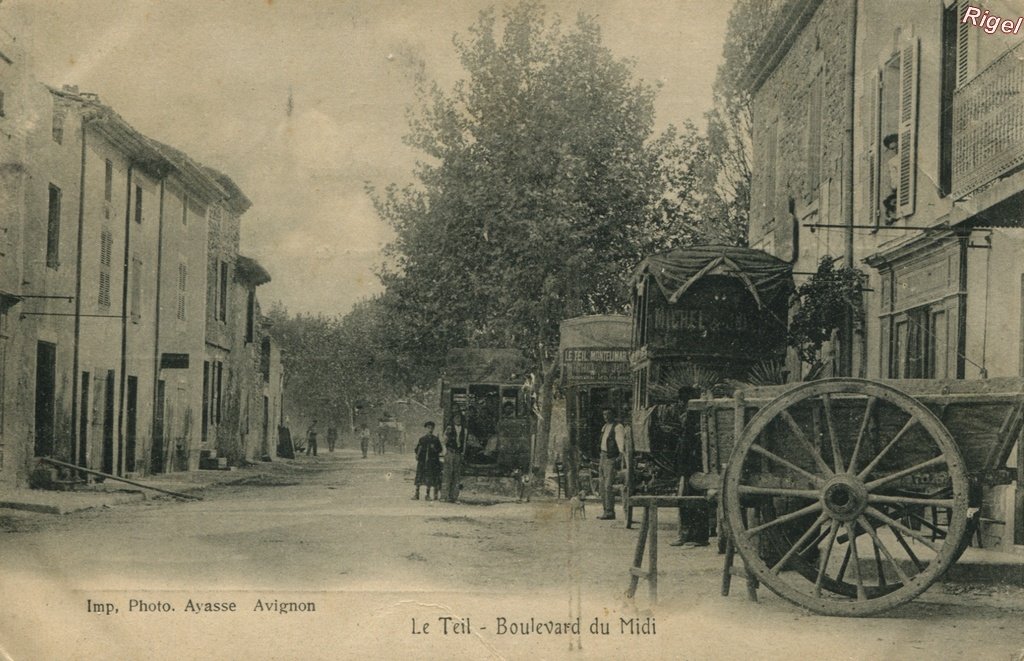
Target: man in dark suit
{"x": 456, "y": 438}
{"x": 613, "y": 437}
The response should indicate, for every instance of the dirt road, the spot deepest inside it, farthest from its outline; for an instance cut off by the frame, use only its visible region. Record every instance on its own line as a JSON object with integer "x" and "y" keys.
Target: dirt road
{"x": 329, "y": 558}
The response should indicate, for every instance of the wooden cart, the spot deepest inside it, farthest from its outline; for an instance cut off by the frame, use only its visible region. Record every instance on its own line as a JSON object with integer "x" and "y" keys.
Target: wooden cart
{"x": 849, "y": 497}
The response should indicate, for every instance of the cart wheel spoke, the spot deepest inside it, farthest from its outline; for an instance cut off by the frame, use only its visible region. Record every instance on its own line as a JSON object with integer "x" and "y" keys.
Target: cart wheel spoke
{"x": 910, "y": 532}
{"x": 909, "y": 551}
{"x": 895, "y": 439}
{"x": 800, "y": 542}
{"x": 788, "y": 464}
{"x": 868, "y": 409}
{"x": 934, "y": 461}
{"x": 823, "y": 563}
{"x": 808, "y": 447}
{"x": 830, "y": 425}
{"x": 785, "y": 518}
{"x": 880, "y": 546}
{"x": 861, "y": 594}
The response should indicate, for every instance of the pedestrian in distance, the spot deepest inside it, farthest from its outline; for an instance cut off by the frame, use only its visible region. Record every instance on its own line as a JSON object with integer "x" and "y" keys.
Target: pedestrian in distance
{"x": 428, "y": 462}
{"x": 364, "y": 439}
{"x": 311, "y": 439}
{"x": 613, "y": 437}
{"x": 456, "y": 438}
{"x": 332, "y": 437}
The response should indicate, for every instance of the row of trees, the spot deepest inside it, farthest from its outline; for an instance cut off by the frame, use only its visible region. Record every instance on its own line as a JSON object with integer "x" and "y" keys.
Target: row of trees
{"x": 542, "y": 184}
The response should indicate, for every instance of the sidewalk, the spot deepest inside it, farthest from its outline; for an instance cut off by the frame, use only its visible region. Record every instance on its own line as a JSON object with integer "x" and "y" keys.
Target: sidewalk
{"x": 111, "y": 492}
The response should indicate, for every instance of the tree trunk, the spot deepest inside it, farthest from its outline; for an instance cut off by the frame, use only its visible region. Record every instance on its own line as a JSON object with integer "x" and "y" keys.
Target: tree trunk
{"x": 545, "y": 456}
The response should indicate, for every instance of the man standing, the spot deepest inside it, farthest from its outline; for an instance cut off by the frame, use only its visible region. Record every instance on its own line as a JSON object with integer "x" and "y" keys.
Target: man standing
{"x": 693, "y": 517}
{"x": 613, "y": 436}
{"x": 456, "y": 438}
{"x": 311, "y": 439}
{"x": 332, "y": 437}
{"x": 364, "y": 439}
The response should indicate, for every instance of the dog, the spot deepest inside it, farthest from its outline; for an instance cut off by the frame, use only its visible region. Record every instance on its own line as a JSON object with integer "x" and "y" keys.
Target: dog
{"x": 578, "y": 506}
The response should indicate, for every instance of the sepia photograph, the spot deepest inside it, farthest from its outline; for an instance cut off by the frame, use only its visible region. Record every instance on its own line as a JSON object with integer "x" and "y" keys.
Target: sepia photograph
{"x": 511, "y": 329}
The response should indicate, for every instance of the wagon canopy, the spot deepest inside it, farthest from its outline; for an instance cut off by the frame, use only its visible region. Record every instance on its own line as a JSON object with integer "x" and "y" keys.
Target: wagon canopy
{"x": 768, "y": 279}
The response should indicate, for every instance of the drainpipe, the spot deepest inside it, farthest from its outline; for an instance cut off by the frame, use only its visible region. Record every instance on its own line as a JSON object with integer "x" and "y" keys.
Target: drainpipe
{"x": 156, "y": 333}
{"x": 79, "y": 448}
{"x": 120, "y": 462}
{"x": 846, "y": 351}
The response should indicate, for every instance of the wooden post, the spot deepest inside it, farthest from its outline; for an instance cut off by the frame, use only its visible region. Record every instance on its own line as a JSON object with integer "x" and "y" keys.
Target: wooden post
{"x": 653, "y": 551}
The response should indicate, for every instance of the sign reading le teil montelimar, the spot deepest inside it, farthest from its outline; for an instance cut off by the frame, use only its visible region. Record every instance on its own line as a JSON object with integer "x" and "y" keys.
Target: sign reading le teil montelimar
{"x": 595, "y": 364}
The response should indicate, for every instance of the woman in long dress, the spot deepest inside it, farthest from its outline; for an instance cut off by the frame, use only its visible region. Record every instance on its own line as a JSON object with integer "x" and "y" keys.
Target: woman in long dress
{"x": 428, "y": 463}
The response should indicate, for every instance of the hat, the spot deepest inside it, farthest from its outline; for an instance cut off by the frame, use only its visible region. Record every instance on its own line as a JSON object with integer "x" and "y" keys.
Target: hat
{"x": 429, "y": 423}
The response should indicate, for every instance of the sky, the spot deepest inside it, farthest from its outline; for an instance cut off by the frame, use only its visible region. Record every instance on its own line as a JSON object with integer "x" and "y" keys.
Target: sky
{"x": 214, "y": 77}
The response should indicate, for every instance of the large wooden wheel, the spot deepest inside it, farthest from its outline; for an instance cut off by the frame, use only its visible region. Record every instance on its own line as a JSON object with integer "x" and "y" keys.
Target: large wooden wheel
{"x": 860, "y": 495}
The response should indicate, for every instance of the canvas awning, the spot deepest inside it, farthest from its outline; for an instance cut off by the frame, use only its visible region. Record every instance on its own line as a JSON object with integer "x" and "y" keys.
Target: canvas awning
{"x": 767, "y": 278}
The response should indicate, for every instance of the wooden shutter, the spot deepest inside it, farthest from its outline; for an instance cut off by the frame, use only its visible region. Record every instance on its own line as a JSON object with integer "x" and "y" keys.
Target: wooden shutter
{"x": 906, "y": 189}
{"x": 136, "y": 292}
{"x": 872, "y": 121}
{"x": 106, "y": 255}
{"x": 963, "y": 41}
{"x": 182, "y": 285}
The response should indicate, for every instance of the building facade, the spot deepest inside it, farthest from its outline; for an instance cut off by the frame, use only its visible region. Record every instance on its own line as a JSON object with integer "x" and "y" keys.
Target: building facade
{"x": 109, "y": 245}
{"x": 909, "y": 118}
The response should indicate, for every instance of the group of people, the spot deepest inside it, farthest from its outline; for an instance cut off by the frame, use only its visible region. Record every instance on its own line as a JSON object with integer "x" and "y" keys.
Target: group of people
{"x": 439, "y": 466}
{"x": 693, "y": 518}
{"x": 312, "y": 438}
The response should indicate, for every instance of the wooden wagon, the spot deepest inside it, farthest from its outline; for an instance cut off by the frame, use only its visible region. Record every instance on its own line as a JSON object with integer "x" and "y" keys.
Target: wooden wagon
{"x": 850, "y": 497}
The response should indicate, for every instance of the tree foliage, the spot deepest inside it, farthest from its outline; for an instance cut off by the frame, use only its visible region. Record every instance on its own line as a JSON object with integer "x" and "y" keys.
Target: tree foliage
{"x": 828, "y": 298}
{"x": 730, "y": 120}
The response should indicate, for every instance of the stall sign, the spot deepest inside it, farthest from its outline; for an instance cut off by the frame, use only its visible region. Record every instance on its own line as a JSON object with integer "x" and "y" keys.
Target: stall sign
{"x": 595, "y": 365}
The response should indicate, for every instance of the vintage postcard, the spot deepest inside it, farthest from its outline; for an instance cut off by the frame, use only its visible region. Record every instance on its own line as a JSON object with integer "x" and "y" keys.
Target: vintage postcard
{"x": 511, "y": 329}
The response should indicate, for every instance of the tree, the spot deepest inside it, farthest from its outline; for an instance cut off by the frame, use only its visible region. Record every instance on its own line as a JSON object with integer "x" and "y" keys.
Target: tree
{"x": 730, "y": 120}
{"x": 541, "y": 189}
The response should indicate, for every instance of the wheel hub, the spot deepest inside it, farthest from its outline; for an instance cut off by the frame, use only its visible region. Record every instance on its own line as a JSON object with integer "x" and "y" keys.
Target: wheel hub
{"x": 844, "y": 497}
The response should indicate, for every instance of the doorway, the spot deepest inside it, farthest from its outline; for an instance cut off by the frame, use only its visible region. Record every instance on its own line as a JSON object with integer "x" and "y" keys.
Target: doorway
{"x": 83, "y": 422}
{"x": 156, "y": 456}
{"x": 133, "y": 417}
{"x": 108, "y": 424}
{"x": 46, "y": 376}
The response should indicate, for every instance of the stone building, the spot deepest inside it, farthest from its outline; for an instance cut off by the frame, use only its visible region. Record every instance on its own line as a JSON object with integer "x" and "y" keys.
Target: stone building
{"x": 895, "y": 129}
{"x": 107, "y": 241}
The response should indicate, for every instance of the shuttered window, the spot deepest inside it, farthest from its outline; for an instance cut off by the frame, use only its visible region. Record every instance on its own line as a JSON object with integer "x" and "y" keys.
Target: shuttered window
{"x": 907, "y": 185}
{"x": 182, "y": 284}
{"x": 222, "y": 302}
{"x": 106, "y": 254}
{"x": 964, "y": 70}
{"x": 108, "y": 180}
{"x": 136, "y": 291}
{"x": 53, "y": 228}
{"x": 871, "y": 120}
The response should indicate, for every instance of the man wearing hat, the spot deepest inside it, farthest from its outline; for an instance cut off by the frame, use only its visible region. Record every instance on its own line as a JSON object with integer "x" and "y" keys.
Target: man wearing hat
{"x": 428, "y": 462}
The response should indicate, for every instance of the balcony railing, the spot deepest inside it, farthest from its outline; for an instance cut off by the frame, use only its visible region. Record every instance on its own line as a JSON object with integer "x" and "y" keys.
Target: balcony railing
{"x": 988, "y": 123}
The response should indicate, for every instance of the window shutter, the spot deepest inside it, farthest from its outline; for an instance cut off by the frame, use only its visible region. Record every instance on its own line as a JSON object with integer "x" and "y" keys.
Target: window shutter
{"x": 182, "y": 284}
{"x": 872, "y": 118}
{"x": 909, "y": 68}
{"x": 106, "y": 253}
{"x": 963, "y": 49}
